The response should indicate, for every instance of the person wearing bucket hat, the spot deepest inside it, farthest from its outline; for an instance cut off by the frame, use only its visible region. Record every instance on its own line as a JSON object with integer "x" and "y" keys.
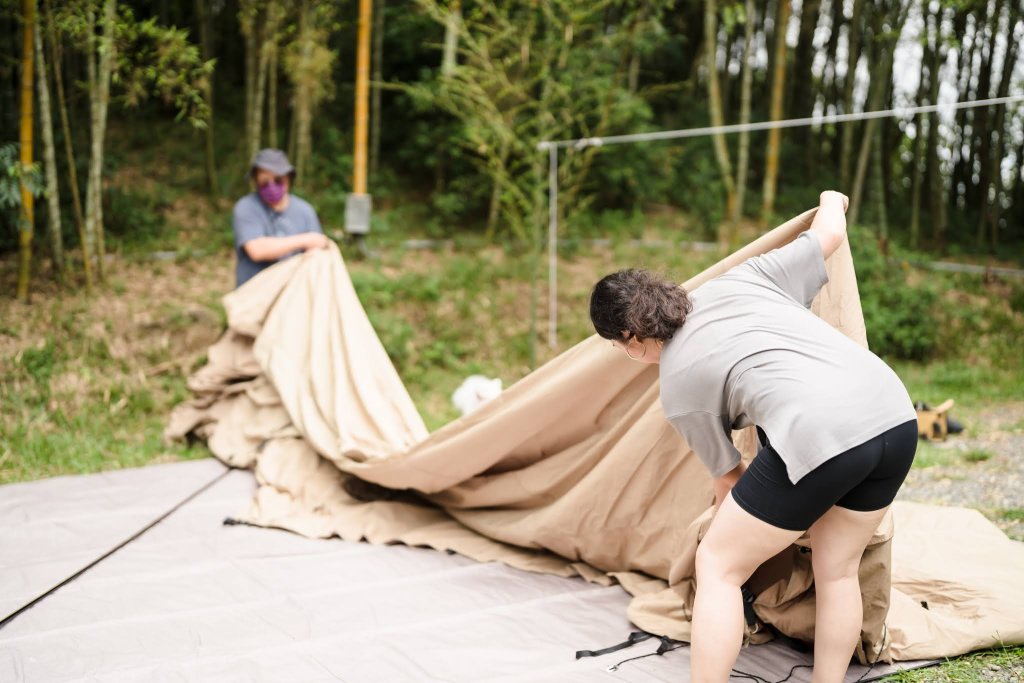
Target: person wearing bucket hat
{"x": 271, "y": 224}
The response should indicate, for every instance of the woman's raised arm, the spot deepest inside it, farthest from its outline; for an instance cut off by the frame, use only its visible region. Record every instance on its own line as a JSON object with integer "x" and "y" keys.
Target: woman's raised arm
{"x": 829, "y": 223}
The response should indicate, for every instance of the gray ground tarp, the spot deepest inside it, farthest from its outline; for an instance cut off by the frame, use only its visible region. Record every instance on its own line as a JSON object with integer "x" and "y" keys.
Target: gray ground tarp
{"x": 193, "y": 600}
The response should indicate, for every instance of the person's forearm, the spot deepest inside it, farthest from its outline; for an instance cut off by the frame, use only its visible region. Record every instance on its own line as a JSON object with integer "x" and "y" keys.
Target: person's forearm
{"x": 273, "y": 248}
{"x": 829, "y": 224}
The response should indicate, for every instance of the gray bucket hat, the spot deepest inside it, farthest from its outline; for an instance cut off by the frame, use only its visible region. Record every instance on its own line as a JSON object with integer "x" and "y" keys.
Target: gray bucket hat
{"x": 273, "y": 160}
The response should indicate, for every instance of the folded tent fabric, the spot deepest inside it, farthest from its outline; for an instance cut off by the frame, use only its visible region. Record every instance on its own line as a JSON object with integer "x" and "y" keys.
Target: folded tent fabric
{"x": 573, "y": 470}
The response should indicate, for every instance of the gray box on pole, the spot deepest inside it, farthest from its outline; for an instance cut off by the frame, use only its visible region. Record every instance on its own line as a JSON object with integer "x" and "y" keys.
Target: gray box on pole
{"x": 357, "y": 214}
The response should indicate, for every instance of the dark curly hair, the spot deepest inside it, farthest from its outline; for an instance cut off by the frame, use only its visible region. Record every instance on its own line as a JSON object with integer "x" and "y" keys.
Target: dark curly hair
{"x": 640, "y": 303}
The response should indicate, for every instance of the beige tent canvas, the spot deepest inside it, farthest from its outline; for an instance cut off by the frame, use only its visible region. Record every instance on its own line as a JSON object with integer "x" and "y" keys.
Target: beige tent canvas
{"x": 572, "y": 471}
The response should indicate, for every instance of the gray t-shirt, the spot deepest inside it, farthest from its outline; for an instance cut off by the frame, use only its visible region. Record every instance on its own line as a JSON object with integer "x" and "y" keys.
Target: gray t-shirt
{"x": 751, "y": 353}
{"x": 252, "y": 218}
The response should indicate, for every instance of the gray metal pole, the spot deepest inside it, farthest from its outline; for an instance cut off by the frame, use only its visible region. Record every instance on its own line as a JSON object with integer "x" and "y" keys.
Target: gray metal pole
{"x": 552, "y": 246}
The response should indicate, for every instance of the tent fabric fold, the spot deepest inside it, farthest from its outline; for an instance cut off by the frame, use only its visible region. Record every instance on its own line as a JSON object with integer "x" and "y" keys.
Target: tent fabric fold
{"x": 573, "y": 470}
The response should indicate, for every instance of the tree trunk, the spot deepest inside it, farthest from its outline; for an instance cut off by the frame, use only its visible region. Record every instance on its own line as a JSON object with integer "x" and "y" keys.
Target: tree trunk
{"x": 203, "y": 18}
{"x": 495, "y": 202}
{"x": 878, "y": 189}
{"x": 980, "y": 130}
{"x": 746, "y": 85}
{"x": 633, "y": 73}
{"x": 378, "y": 58}
{"x": 802, "y": 83}
{"x": 832, "y": 51}
{"x": 293, "y": 127}
{"x": 771, "y": 13}
{"x": 106, "y": 66}
{"x": 49, "y": 157}
{"x": 1017, "y": 191}
{"x": 633, "y": 82}
{"x": 303, "y": 144}
{"x": 262, "y": 76}
{"x": 100, "y": 63}
{"x": 881, "y": 82}
{"x": 962, "y": 167}
{"x": 992, "y": 177}
{"x": 272, "y": 97}
{"x": 802, "y": 100}
{"x": 248, "y": 19}
{"x": 928, "y": 74}
{"x": 715, "y": 107}
{"x": 776, "y": 113}
{"x": 853, "y": 212}
{"x": 963, "y": 72}
{"x": 852, "y": 59}
{"x": 936, "y": 183}
{"x": 28, "y": 14}
{"x": 724, "y": 77}
{"x": 451, "y": 38}
{"x": 76, "y": 197}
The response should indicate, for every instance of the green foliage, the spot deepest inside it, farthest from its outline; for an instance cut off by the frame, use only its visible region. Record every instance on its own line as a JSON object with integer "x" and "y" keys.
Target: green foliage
{"x": 1016, "y": 298}
{"x": 12, "y": 174}
{"x": 134, "y": 218}
{"x": 900, "y": 318}
{"x": 533, "y": 72}
{"x": 38, "y": 363}
{"x": 701, "y": 182}
{"x": 308, "y": 61}
{"x": 161, "y": 59}
{"x": 148, "y": 58}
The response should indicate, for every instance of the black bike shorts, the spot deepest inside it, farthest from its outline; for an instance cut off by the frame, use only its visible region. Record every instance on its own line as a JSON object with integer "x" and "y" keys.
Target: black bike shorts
{"x": 863, "y": 478}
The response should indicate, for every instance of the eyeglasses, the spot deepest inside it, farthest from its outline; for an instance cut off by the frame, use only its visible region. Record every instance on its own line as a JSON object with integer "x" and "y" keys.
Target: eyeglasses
{"x": 277, "y": 180}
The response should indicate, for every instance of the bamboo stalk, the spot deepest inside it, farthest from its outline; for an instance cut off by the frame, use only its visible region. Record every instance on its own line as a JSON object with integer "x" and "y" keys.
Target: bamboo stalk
{"x": 771, "y": 173}
{"x": 49, "y": 158}
{"x": 69, "y": 150}
{"x": 362, "y": 96}
{"x": 28, "y": 8}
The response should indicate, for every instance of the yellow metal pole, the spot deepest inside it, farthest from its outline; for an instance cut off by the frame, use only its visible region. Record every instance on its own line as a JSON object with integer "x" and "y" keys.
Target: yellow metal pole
{"x": 27, "y": 208}
{"x": 362, "y": 95}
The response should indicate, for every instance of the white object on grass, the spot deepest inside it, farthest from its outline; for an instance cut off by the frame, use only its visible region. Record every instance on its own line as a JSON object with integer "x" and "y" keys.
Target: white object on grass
{"x": 475, "y": 391}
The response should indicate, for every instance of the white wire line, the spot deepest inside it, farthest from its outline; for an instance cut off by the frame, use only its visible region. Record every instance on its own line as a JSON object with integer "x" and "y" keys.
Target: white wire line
{"x": 580, "y": 143}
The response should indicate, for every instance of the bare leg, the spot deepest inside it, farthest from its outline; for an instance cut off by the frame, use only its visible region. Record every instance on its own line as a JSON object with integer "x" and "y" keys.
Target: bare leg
{"x": 838, "y": 540}
{"x": 735, "y": 545}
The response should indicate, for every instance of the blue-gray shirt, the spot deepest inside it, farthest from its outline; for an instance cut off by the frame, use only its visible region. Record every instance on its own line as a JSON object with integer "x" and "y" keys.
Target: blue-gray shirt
{"x": 252, "y": 218}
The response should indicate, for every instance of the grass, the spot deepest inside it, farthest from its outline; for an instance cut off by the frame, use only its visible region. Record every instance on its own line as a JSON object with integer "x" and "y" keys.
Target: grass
{"x": 971, "y": 668}
{"x": 972, "y": 381}
{"x": 1014, "y": 514}
{"x": 86, "y": 383}
{"x": 935, "y": 455}
{"x": 977, "y": 455}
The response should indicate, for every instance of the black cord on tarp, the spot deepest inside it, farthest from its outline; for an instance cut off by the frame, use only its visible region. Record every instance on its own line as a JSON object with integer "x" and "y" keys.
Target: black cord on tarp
{"x": 35, "y": 601}
{"x": 669, "y": 644}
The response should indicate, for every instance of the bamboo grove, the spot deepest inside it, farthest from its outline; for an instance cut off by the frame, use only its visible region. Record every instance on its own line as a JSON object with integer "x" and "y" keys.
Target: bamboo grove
{"x": 463, "y": 90}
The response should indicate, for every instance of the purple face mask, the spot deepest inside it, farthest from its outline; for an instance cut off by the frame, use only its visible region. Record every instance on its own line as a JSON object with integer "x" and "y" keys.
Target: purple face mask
{"x": 272, "y": 192}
